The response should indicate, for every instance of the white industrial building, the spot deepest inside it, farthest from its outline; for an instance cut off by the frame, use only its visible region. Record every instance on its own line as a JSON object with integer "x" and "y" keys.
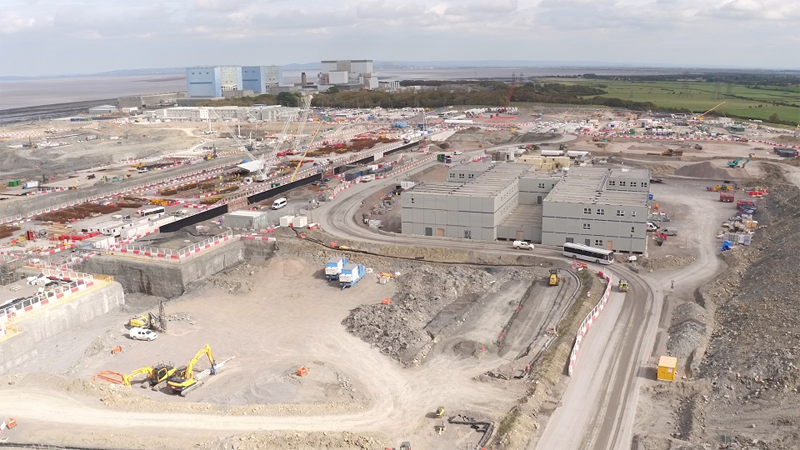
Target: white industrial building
{"x": 347, "y": 74}
{"x": 103, "y": 109}
{"x": 489, "y": 201}
{"x": 266, "y": 113}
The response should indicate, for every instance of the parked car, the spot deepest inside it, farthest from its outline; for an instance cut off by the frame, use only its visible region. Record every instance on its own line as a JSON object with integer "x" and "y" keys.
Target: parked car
{"x": 523, "y": 245}
{"x": 457, "y": 152}
{"x": 669, "y": 231}
{"x": 651, "y": 226}
{"x": 142, "y": 334}
{"x": 367, "y": 178}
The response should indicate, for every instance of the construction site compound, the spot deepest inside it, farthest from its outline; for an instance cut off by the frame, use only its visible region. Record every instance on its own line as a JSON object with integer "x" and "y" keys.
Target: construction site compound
{"x": 249, "y": 285}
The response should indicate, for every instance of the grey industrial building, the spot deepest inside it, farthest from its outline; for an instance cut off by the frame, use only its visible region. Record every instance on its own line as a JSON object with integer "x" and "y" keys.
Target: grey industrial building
{"x": 150, "y": 100}
{"x": 490, "y": 201}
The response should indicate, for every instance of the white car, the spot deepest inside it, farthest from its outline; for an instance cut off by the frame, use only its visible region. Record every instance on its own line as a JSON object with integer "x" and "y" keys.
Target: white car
{"x": 523, "y": 245}
{"x": 458, "y": 152}
{"x": 367, "y": 178}
{"x": 142, "y": 334}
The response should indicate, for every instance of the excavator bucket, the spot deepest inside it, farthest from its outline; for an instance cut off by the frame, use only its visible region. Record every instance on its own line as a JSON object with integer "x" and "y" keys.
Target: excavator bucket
{"x": 111, "y": 377}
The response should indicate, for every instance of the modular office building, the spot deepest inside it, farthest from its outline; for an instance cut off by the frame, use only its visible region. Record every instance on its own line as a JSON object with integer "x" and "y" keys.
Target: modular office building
{"x": 598, "y": 207}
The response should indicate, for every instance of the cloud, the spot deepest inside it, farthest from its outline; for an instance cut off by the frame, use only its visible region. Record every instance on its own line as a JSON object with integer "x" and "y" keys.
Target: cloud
{"x": 188, "y": 32}
{"x": 14, "y": 23}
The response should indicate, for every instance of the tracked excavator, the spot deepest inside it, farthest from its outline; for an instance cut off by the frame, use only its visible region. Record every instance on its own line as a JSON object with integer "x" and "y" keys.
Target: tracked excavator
{"x": 183, "y": 380}
{"x": 156, "y": 375}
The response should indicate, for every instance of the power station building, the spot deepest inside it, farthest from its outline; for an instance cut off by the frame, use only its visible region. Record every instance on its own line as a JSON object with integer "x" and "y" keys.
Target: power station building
{"x": 491, "y": 201}
{"x": 261, "y": 79}
{"x": 221, "y": 81}
{"x": 347, "y": 74}
{"x": 204, "y": 82}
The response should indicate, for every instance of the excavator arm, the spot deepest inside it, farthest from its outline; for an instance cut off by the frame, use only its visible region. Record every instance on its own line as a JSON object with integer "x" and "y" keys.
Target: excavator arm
{"x": 126, "y": 379}
{"x": 203, "y": 351}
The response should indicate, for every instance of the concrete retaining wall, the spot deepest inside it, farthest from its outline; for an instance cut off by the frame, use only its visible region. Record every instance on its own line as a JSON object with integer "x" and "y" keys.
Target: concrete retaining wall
{"x": 48, "y": 322}
{"x": 171, "y": 280}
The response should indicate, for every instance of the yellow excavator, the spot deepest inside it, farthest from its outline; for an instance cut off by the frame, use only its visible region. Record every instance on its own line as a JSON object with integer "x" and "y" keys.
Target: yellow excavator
{"x": 155, "y": 375}
{"x": 183, "y": 380}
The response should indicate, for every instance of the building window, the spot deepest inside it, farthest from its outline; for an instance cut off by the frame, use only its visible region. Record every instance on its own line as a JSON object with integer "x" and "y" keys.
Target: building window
{"x": 620, "y": 213}
{"x": 471, "y": 175}
{"x": 428, "y": 231}
{"x": 570, "y": 240}
{"x": 633, "y": 184}
{"x": 452, "y": 175}
{"x": 633, "y": 230}
{"x": 598, "y": 242}
{"x": 633, "y": 213}
{"x": 412, "y": 200}
{"x": 612, "y": 183}
{"x": 587, "y": 226}
{"x": 622, "y": 183}
{"x": 601, "y": 212}
{"x": 644, "y": 184}
{"x": 461, "y": 175}
{"x": 467, "y": 234}
{"x": 541, "y": 185}
{"x": 587, "y": 210}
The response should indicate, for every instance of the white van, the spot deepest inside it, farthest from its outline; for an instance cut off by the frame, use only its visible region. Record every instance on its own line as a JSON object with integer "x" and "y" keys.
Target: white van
{"x": 279, "y": 203}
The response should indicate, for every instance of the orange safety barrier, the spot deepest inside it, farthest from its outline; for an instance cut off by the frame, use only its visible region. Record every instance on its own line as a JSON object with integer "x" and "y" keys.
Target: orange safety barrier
{"x": 11, "y": 423}
{"x": 117, "y": 349}
{"x": 386, "y": 301}
{"x": 302, "y": 372}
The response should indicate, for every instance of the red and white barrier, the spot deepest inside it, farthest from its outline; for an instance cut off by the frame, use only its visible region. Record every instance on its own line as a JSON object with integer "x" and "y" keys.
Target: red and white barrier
{"x": 593, "y": 315}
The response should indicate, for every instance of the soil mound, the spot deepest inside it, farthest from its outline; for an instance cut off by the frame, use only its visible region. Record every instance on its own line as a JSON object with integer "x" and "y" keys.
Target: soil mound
{"x": 703, "y": 170}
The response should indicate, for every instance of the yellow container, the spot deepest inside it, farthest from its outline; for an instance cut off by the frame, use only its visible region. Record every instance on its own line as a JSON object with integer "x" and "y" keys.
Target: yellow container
{"x": 667, "y": 368}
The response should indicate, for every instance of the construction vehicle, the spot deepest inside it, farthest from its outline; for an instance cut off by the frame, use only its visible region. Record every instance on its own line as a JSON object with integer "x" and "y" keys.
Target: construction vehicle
{"x": 148, "y": 320}
{"x": 735, "y": 163}
{"x": 623, "y": 285}
{"x": 555, "y": 277}
{"x": 671, "y": 152}
{"x": 183, "y": 380}
{"x": 697, "y": 147}
{"x": 439, "y": 412}
{"x": 155, "y": 375}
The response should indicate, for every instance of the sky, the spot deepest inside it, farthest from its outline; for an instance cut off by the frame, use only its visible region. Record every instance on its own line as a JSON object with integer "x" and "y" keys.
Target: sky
{"x": 51, "y": 37}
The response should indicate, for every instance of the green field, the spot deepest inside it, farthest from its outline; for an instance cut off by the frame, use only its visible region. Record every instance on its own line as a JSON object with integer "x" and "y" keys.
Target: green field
{"x": 698, "y": 97}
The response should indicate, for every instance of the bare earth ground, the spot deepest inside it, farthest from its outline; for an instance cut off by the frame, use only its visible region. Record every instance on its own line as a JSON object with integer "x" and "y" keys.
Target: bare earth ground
{"x": 272, "y": 328}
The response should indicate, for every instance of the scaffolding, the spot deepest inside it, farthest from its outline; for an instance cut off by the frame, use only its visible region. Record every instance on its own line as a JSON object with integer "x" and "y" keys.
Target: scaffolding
{"x": 9, "y": 264}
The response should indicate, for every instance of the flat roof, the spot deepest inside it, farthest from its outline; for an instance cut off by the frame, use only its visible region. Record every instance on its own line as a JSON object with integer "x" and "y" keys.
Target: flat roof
{"x": 587, "y": 185}
{"x": 17, "y": 289}
{"x": 487, "y": 184}
{"x": 668, "y": 361}
{"x": 246, "y": 213}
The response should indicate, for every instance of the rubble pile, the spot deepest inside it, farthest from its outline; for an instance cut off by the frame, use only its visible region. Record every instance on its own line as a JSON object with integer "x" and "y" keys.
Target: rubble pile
{"x": 753, "y": 359}
{"x": 298, "y": 441}
{"x": 399, "y": 328}
{"x": 688, "y": 330}
{"x": 667, "y": 262}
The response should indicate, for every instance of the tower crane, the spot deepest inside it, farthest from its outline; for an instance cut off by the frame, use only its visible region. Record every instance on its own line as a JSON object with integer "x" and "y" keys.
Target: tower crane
{"x": 701, "y": 117}
{"x": 305, "y": 152}
{"x": 269, "y": 160}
